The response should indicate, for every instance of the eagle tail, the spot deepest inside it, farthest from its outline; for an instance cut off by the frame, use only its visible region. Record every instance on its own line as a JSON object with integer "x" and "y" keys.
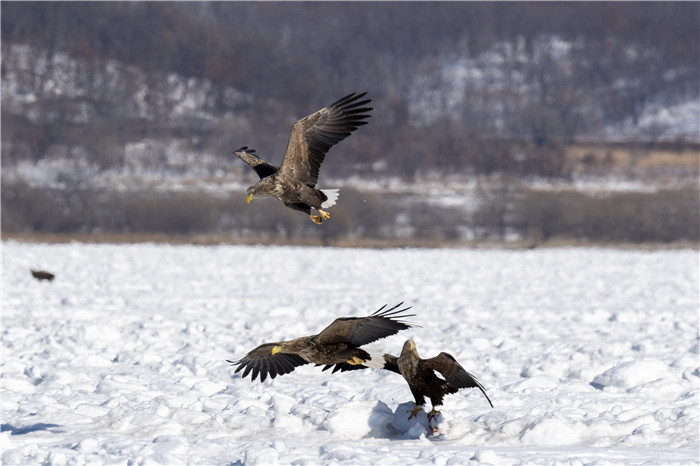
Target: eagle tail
{"x": 376, "y": 358}
{"x": 332, "y": 195}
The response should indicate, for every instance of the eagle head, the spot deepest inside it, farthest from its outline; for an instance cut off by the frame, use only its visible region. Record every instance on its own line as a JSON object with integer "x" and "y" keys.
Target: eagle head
{"x": 250, "y": 194}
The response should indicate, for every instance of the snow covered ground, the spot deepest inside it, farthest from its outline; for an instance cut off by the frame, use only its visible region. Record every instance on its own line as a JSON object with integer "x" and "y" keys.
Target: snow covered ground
{"x": 589, "y": 355}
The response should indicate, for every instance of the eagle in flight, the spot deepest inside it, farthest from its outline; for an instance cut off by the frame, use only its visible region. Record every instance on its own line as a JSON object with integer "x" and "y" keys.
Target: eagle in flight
{"x": 294, "y": 181}
{"x": 337, "y": 344}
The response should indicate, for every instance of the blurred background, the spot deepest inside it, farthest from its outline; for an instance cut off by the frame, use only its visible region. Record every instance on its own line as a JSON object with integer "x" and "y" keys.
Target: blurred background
{"x": 508, "y": 123}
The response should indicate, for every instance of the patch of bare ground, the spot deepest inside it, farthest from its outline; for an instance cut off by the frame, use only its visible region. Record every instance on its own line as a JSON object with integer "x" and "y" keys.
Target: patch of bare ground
{"x": 638, "y": 159}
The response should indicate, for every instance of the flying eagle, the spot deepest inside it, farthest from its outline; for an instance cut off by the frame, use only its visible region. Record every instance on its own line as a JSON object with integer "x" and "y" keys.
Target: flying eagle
{"x": 294, "y": 182}
{"x": 422, "y": 380}
{"x": 339, "y": 343}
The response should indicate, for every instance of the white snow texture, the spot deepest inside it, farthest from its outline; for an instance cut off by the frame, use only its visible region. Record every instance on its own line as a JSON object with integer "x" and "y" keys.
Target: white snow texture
{"x": 589, "y": 355}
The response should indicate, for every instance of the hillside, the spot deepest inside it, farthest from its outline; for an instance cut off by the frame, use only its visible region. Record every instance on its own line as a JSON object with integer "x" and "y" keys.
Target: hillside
{"x": 106, "y": 119}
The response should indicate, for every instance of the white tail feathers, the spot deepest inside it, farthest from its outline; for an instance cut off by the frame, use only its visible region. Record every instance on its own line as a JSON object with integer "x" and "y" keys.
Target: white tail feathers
{"x": 332, "y": 195}
{"x": 376, "y": 360}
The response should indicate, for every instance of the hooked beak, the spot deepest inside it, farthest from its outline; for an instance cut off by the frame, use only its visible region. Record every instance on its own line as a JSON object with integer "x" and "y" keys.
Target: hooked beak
{"x": 248, "y": 198}
{"x": 275, "y": 350}
{"x": 412, "y": 346}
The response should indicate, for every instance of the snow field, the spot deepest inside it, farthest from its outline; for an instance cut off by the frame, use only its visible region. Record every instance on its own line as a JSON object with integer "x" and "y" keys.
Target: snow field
{"x": 589, "y": 355}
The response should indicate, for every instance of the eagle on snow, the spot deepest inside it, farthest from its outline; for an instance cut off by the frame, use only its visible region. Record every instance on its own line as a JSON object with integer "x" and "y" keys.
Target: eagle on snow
{"x": 420, "y": 374}
{"x": 294, "y": 181}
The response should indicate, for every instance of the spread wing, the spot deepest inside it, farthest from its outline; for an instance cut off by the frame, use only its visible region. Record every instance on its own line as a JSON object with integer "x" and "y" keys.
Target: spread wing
{"x": 453, "y": 372}
{"x": 360, "y": 331}
{"x": 314, "y": 135}
{"x": 262, "y": 168}
{"x": 262, "y": 361}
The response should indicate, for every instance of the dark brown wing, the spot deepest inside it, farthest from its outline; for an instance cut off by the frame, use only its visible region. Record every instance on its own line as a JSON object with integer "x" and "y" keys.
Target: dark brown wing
{"x": 313, "y": 136}
{"x": 262, "y": 168}
{"x": 453, "y": 372}
{"x": 390, "y": 364}
{"x": 360, "y": 331}
{"x": 262, "y": 361}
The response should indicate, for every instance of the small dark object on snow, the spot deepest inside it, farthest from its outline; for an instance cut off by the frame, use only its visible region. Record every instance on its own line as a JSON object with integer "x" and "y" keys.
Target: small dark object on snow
{"x": 42, "y": 275}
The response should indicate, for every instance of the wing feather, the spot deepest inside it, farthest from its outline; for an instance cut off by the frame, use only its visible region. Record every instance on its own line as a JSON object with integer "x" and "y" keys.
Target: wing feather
{"x": 454, "y": 373}
{"x": 261, "y": 167}
{"x": 313, "y": 136}
{"x": 261, "y": 361}
{"x": 360, "y": 331}
{"x": 343, "y": 367}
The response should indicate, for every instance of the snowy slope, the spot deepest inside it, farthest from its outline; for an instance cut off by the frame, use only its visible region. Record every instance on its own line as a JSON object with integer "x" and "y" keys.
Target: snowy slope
{"x": 589, "y": 355}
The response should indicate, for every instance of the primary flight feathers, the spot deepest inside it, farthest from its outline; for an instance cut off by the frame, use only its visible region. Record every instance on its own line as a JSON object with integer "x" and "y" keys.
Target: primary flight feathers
{"x": 294, "y": 182}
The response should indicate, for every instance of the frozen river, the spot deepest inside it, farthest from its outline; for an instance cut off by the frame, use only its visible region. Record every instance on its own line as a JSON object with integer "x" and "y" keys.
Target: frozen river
{"x": 589, "y": 355}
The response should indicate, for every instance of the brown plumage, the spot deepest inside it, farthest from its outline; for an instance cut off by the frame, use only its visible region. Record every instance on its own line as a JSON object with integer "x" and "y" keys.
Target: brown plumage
{"x": 423, "y": 381}
{"x": 42, "y": 275}
{"x": 340, "y": 342}
{"x": 294, "y": 182}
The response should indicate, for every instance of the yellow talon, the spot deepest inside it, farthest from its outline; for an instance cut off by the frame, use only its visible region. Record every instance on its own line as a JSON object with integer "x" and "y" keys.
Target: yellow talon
{"x": 415, "y": 411}
{"x": 316, "y": 219}
{"x": 432, "y": 413}
{"x": 325, "y": 214}
{"x": 355, "y": 361}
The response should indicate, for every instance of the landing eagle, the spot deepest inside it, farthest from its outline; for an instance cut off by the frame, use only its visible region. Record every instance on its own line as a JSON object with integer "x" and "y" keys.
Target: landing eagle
{"x": 294, "y": 182}
{"x": 339, "y": 343}
{"x": 423, "y": 381}
{"x": 421, "y": 375}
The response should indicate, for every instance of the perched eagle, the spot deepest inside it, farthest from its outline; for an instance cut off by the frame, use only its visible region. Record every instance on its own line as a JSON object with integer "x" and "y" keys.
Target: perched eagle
{"x": 339, "y": 343}
{"x": 422, "y": 380}
{"x": 294, "y": 182}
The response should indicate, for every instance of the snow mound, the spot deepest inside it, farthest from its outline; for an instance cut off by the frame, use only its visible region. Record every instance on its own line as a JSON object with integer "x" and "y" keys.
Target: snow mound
{"x": 360, "y": 419}
{"x": 632, "y": 374}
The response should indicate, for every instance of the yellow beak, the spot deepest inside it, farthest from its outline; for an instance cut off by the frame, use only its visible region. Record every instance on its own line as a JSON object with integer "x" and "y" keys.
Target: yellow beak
{"x": 412, "y": 346}
{"x": 276, "y": 349}
{"x": 249, "y": 198}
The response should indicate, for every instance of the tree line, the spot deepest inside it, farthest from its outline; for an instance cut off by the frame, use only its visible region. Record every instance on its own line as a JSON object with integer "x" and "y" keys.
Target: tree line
{"x": 548, "y": 73}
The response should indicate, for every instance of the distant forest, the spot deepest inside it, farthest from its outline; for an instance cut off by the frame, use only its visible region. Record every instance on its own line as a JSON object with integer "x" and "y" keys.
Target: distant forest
{"x": 539, "y": 74}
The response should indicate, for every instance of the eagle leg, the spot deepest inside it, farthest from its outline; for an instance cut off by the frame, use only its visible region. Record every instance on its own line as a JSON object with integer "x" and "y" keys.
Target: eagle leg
{"x": 316, "y": 219}
{"x": 433, "y": 412}
{"x": 355, "y": 361}
{"x": 415, "y": 411}
{"x": 324, "y": 214}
